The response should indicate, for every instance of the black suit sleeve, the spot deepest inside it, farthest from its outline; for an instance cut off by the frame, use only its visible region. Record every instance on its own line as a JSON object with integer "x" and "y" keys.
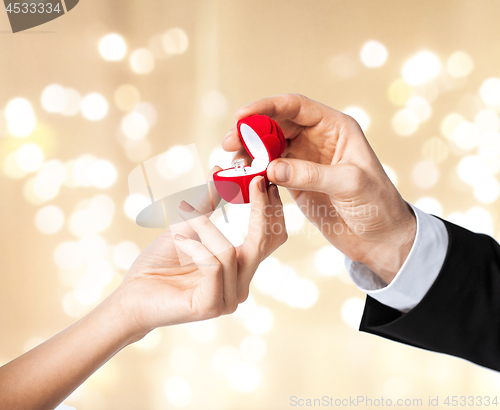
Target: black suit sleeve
{"x": 460, "y": 314}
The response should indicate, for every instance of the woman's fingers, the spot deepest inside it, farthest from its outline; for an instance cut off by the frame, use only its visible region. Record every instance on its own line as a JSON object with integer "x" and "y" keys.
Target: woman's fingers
{"x": 211, "y": 288}
{"x": 258, "y": 239}
{"x": 206, "y": 201}
{"x": 219, "y": 246}
{"x": 277, "y": 222}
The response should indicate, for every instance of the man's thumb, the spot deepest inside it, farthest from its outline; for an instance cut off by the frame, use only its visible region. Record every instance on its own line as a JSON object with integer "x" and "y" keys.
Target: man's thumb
{"x": 303, "y": 175}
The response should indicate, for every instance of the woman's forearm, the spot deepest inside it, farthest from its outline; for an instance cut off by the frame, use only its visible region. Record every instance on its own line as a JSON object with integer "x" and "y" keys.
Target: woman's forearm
{"x": 43, "y": 377}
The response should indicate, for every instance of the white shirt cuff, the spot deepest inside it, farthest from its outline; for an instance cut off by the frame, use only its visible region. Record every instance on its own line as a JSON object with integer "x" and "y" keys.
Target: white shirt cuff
{"x": 418, "y": 273}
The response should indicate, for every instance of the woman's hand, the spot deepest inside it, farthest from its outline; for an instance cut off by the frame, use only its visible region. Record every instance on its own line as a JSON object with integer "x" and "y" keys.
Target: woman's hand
{"x": 159, "y": 290}
{"x": 337, "y": 181}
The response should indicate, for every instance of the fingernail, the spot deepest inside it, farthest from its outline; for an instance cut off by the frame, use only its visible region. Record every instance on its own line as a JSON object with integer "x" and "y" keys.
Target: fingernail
{"x": 262, "y": 185}
{"x": 179, "y": 237}
{"x": 282, "y": 171}
{"x": 184, "y": 206}
{"x": 276, "y": 192}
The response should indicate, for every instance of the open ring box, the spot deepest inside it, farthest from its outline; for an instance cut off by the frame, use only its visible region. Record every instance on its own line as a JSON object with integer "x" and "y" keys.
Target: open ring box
{"x": 264, "y": 141}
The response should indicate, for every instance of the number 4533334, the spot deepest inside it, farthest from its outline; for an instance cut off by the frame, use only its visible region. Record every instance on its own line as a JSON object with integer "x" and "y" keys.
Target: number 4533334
{"x": 33, "y": 7}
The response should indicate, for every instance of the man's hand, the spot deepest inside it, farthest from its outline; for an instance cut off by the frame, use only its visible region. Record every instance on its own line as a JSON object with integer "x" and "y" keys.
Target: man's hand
{"x": 337, "y": 181}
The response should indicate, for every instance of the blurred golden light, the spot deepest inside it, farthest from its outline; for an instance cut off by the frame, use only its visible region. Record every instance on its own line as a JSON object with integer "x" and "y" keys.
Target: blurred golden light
{"x": 395, "y": 387}
{"x": 450, "y": 123}
{"x": 72, "y": 307}
{"x": 92, "y": 216}
{"x": 351, "y": 312}
{"x": 489, "y": 145}
{"x": 178, "y": 391}
{"x": 436, "y": 150}
{"x": 138, "y": 151}
{"x": 294, "y": 218}
{"x": 252, "y": 349}
{"x": 80, "y": 170}
{"x": 425, "y": 174}
{"x": 124, "y": 254}
{"x": 148, "y": 111}
{"x": 69, "y": 278}
{"x": 80, "y": 223}
{"x": 224, "y": 359}
{"x": 259, "y": 320}
{"x": 476, "y": 219}
{"x": 176, "y": 161}
{"x": 298, "y": 293}
{"x": 29, "y": 157}
{"x": 127, "y": 97}
{"x": 393, "y": 176}
{"x": 430, "y": 205}
{"x": 112, "y": 47}
{"x": 87, "y": 292}
{"x": 244, "y": 377}
{"x": 102, "y": 174}
{"x": 360, "y": 115}
{"x": 175, "y": 41}
{"x": 490, "y": 92}
{"x": 343, "y": 67}
{"x": 93, "y": 247}
{"x": 268, "y": 275}
{"x": 11, "y": 168}
{"x": 182, "y": 359}
{"x": 487, "y": 120}
{"x": 29, "y": 193}
{"x": 99, "y": 272}
{"x": 472, "y": 169}
{"x": 89, "y": 171}
{"x": 405, "y": 122}
{"x": 20, "y": 117}
{"x": 421, "y": 68}
{"x": 134, "y": 204}
{"x": 54, "y": 98}
{"x": 135, "y": 126}
{"x": 202, "y": 332}
{"x": 459, "y": 64}
{"x": 49, "y": 219}
{"x": 47, "y": 182}
{"x": 465, "y": 135}
{"x": 329, "y": 261}
{"x": 3, "y": 124}
{"x": 142, "y": 61}
{"x": 94, "y": 107}
{"x": 480, "y": 220}
{"x": 213, "y": 104}
{"x": 420, "y": 107}
{"x": 373, "y": 54}
{"x": 400, "y": 92}
{"x": 68, "y": 255}
{"x": 155, "y": 44}
{"x": 33, "y": 342}
{"x": 220, "y": 158}
{"x": 150, "y": 341}
{"x": 54, "y": 169}
{"x": 73, "y": 102}
{"x": 487, "y": 190}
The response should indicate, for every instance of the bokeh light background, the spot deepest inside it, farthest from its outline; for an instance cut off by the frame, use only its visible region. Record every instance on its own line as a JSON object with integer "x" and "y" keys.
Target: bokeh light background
{"x": 89, "y": 96}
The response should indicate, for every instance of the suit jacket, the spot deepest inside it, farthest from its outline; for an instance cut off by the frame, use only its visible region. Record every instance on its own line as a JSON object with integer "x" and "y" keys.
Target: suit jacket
{"x": 460, "y": 314}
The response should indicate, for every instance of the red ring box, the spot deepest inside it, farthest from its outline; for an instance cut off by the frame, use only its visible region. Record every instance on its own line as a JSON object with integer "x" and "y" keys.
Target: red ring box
{"x": 264, "y": 141}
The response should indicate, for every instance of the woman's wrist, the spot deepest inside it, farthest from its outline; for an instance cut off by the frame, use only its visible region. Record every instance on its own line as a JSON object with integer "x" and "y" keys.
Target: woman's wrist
{"x": 117, "y": 313}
